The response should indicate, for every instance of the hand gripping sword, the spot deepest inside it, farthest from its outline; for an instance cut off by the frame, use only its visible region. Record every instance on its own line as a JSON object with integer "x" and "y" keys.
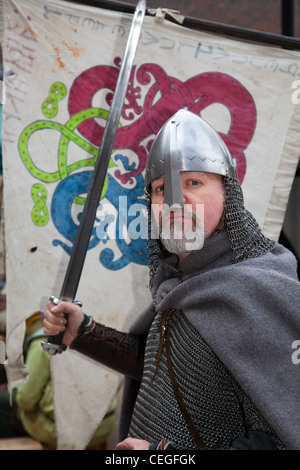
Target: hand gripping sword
{"x": 78, "y": 254}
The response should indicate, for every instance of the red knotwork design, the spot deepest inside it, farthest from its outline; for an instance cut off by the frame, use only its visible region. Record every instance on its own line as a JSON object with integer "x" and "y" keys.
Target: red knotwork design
{"x": 164, "y": 96}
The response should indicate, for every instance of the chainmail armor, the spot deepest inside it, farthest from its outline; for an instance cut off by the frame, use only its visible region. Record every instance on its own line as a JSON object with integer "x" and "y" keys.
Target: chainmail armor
{"x": 219, "y": 408}
{"x": 246, "y": 238}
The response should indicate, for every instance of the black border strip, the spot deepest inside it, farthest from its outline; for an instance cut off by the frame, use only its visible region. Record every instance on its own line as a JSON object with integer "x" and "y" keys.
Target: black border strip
{"x": 278, "y": 40}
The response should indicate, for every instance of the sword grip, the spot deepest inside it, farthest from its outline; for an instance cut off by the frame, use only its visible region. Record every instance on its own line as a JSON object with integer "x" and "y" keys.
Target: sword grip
{"x": 53, "y": 345}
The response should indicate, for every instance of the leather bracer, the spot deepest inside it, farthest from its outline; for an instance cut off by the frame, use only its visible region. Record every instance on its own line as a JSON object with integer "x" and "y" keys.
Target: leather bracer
{"x": 122, "y": 352}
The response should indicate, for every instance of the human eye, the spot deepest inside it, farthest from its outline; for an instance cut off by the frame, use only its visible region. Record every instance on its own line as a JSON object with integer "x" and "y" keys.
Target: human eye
{"x": 194, "y": 182}
{"x": 158, "y": 188}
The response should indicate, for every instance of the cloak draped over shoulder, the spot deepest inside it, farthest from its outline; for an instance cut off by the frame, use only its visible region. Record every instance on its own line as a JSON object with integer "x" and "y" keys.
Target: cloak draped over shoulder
{"x": 248, "y": 313}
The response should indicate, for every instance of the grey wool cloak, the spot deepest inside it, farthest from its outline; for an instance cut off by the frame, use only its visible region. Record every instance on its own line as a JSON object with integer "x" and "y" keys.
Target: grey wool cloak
{"x": 248, "y": 313}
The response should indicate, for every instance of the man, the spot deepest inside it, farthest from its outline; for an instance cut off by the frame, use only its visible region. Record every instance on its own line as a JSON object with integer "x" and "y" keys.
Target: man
{"x": 208, "y": 363}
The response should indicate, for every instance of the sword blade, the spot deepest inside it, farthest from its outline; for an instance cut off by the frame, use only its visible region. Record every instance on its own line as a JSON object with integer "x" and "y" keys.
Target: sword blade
{"x": 80, "y": 247}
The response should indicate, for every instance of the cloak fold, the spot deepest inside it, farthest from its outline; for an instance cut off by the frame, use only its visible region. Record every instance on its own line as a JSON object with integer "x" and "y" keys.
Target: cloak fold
{"x": 248, "y": 313}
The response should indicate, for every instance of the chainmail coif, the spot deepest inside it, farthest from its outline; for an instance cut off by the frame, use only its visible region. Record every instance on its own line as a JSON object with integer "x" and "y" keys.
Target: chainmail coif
{"x": 246, "y": 238}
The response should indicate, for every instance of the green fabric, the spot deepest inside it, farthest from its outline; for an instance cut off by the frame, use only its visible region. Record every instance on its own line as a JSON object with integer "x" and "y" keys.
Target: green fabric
{"x": 34, "y": 398}
{"x": 35, "y": 401}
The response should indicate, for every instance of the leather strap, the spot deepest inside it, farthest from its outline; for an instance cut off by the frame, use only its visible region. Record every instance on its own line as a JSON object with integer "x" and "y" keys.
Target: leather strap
{"x": 187, "y": 417}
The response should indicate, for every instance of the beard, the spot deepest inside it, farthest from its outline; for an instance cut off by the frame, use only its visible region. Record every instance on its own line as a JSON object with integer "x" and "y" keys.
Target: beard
{"x": 181, "y": 230}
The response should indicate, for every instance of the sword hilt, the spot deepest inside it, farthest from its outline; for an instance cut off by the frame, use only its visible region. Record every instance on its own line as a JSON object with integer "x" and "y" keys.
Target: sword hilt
{"x": 53, "y": 345}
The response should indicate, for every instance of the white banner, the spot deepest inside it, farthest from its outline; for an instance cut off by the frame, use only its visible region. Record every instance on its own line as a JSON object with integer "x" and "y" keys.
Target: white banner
{"x": 61, "y": 62}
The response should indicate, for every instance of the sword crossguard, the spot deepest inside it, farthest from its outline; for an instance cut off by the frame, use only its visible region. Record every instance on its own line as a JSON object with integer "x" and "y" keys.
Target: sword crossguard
{"x": 56, "y": 300}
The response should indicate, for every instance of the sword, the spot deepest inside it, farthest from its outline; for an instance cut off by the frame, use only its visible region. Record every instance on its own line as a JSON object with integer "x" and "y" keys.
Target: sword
{"x": 78, "y": 254}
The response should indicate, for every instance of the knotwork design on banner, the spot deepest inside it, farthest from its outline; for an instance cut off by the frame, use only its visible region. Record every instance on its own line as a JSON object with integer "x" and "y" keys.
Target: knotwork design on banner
{"x": 152, "y": 97}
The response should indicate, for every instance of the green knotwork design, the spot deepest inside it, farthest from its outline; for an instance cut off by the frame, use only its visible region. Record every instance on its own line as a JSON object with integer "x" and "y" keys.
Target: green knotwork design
{"x": 40, "y": 213}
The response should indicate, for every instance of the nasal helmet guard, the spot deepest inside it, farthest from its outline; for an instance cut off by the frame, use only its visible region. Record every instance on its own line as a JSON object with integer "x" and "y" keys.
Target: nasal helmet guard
{"x": 186, "y": 143}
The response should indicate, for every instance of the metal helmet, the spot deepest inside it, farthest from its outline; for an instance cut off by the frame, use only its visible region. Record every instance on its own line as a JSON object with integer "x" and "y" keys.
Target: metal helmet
{"x": 186, "y": 143}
